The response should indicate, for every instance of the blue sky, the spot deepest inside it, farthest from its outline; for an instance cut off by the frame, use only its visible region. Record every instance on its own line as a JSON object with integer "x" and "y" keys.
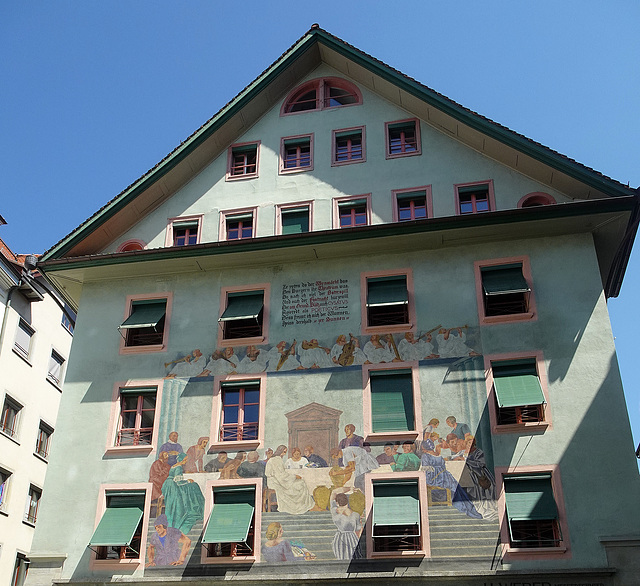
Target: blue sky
{"x": 93, "y": 94}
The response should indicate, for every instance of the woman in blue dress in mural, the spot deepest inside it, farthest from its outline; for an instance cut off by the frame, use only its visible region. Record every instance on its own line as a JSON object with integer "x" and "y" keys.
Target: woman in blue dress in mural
{"x": 184, "y": 503}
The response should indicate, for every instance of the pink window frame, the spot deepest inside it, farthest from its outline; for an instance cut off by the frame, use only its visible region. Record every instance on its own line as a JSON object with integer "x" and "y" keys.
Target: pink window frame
{"x": 216, "y": 413}
{"x": 111, "y": 448}
{"x": 264, "y": 338}
{"x": 399, "y": 192}
{"x": 531, "y": 315}
{"x": 168, "y": 297}
{"x": 492, "y": 200}
{"x": 126, "y": 564}
{"x": 293, "y": 206}
{"x": 400, "y": 436}
{"x": 418, "y": 150}
{"x": 518, "y": 553}
{"x": 369, "y": 479}
{"x": 334, "y": 138}
{"x": 169, "y": 236}
{"x": 227, "y": 214}
{"x": 256, "y": 483}
{"x": 132, "y": 241}
{"x": 396, "y": 328}
{"x": 320, "y": 84}
{"x": 539, "y": 197}
{"x": 531, "y": 427}
{"x": 283, "y": 153}
{"x": 338, "y": 201}
{"x": 241, "y": 145}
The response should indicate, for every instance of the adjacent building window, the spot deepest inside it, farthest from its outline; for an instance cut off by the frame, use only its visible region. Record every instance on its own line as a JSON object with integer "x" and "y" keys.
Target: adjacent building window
{"x": 146, "y": 323}
{"x": 20, "y": 570}
{"x": 4, "y": 488}
{"x": 24, "y": 337}
{"x": 55, "y": 370}
{"x": 118, "y": 535}
{"x": 474, "y": 198}
{"x": 321, "y": 93}
{"x": 243, "y": 160}
{"x": 396, "y": 517}
{"x": 183, "y": 231}
{"x": 412, "y": 204}
{"x": 68, "y": 319}
{"x": 31, "y": 513}
{"x": 239, "y": 226}
{"x": 351, "y": 212}
{"x": 44, "y": 439}
{"x": 518, "y": 392}
{"x": 348, "y": 146}
{"x": 243, "y": 315}
{"x": 296, "y": 153}
{"x": 387, "y": 300}
{"x": 240, "y": 410}
{"x": 293, "y": 219}
{"x": 10, "y": 416}
{"x": 230, "y": 530}
{"x": 137, "y": 414}
{"x": 403, "y": 138}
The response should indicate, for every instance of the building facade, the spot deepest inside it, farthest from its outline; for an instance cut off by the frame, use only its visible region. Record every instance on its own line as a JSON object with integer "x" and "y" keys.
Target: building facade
{"x": 35, "y": 339}
{"x": 347, "y": 330}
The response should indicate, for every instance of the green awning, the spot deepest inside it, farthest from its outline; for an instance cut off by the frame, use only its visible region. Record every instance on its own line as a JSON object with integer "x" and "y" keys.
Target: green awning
{"x": 392, "y": 401}
{"x": 295, "y": 221}
{"x": 145, "y": 315}
{"x": 231, "y": 515}
{"x": 239, "y": 217}
{"x": 503, "y": 279}
{"x": 387, "y": 291}
{"x": 517, "y": 384}
{"x": 530, "y": 497}
{"x": 117, "y": 526}
{"x": 395, "y": 504}
{"x": 243, "y": 306}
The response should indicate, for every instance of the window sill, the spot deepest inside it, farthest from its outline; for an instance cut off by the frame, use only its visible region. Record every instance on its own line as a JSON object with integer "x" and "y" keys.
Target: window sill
{"x": 382, "y": 436}
{"x": 133, "y": 450}
{"x": 40, "y": 457}
{"x": 390, "y": 329}
{"x": 53, "y": 384}
{"x": 257, "y": 340}
{"x": 3, "y": 512}
{"x": 533, "y": 427}
{"x": 29, "y": 523}
{"x": 402, "y": 155}
{"x": 528, "y": 553}
{"x": 397, "y": 554}
{"x": 349, "y": 162}
{"x": 234, "y": 446}
{"x": 501, "y": 319}
{"x": 21, "y": 356}
{"x": 12, "y": 438}
{"x": 294, "y": 170}
{"x": 204, "y": 559}
{"x": 241, "y": 177}
{"x": 114, "y": 564}
{"x": 143, "y": 349}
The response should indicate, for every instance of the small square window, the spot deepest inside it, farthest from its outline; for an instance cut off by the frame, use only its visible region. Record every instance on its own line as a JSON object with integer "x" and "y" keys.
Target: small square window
{"x": 243, "y": 161}
{"x": 348, "y": 146}
{"x": 352, "y": 213}
{"x": 44, "y": 439}
{"x": 294, "y": 220}
{"x": 10, "y": 416}
{"x": 518, "y": 392}
{"x": 31, "y": 513}
{"x": 240, "y": 411}
{"x": 387, "y": 301}
{"x": 137, "y": 414}
{"x": 4, "y": 488}
{"x": 403, "y": 138}
{"x": 412, "y": 204}
{"x": 296, "y": 154}
{"x": 505, "y": 290}
{"x": 24, "y": 338}
{"x": 239, "y": 226}
{"x": 145, "y": 325}
{"x": 243, "y": 315}
{"x": 474, "y": 198}
{"x": 185, "y": 233}
{"x": 55, "y": 370}
{"x": 396, "y": 517}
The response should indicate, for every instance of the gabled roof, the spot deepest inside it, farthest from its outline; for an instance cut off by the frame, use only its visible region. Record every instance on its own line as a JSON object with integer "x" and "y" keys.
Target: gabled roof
{"x": 316, "y": 46}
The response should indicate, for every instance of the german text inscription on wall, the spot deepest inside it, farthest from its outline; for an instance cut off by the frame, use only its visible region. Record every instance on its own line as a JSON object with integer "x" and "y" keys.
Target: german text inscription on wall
{"x": 314, "y": 302}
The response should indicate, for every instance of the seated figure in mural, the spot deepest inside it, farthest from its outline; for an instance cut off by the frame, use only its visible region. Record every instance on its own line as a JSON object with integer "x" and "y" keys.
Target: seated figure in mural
{"x": 312, "y": 355}
{"x": 359, "y": 461}
{"x": 195, "y": 455}
{"x": 387, "y": 456}
{"x": 217, "y": 463}
{"x": 456, "y": 446}
{"x": 172, "y": 447}
{"x": 296, "y": 461}
{"x": 255, "y": 361}
{"x": 314, "y": 461}
{"x": 183, "y": 500}
{"x": 191, "y": 365}
{"x": 411, "y": 348}
{"x": 338, "y": 475}
{"x": 483, "y": 491}
{"x": 346, "y": 353}
{"x": 168, "y": 546}
{"x": 253, "y": 468}
{"x": 452, "y": 343}
{"x": 377, "y": 350}
{"x": 349, "y": 527}
{"x": 292, "y": 493}
{"x": 407, "y": 461}
{"x": 437, "y": 475}
{"x": 158, "y": 473}
{"x": 462, "y": 430}
{"x": 222, "y": 362}
{"x": 351, "y": 439}
{"x": 277, "y": 549}
{"x": 283, "y": 359}
{"x": 230, "y": 469}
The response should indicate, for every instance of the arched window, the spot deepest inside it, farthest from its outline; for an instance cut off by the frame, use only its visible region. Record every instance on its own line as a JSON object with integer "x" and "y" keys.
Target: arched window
{"x": 537, "y": 198}
{"x": 321, "y": 93}
{"x": 131, "y": 245}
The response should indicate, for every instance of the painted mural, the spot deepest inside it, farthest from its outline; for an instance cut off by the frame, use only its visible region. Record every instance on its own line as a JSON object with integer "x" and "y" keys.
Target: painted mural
{"x": 314, "y": 459}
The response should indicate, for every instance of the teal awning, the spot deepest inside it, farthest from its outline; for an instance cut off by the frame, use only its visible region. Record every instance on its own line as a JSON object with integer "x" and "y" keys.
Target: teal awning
{"x": 145, "y": 315}
{"x": 530, "y": 497}
{"x": 517, "y": 384}
{"x": 117, "y": 526}
{"x": 392, "y": 401}
{"x": 243, "y": 306}
{"x": 295, "y": 221}
{"x": 503, "y": 280}
{"x": 387, "y": 291}
{"x": 239, "y": 217}
{"x": 231, "y": 516}
{"x": 397, "y": 505}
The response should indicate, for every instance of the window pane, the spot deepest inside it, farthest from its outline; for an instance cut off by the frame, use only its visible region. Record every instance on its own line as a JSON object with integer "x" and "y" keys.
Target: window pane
{"x": 147, "y": 419}
{"x": 129, "y": 402}
{"x": 251, "y": 413}
{"x": 231, "y": 414}
{"x": 149, "y": 402}
{"x": 251, "y": 396}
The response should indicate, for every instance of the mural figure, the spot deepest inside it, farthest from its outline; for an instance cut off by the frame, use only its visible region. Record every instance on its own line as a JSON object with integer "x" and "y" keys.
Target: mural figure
{"x": 312, "y": 355}
{"x": 172, "y": 447}
{"x": 195, "y": 455}
{"x": 183, "y": 499}
{"x": 222, "y": 362}
{"x": 407, "y": 461}
{"x": 359, "y": 461}
{"x": 277, "y": 549}
{"x": 456, "y": 446}
{"x": 296, "y": 461}
{"x": 387, "y": 455}
{"x": 217, "y": 463}
{"x": 255, "y": 361}
{"x": 411, "y": 348}
{"x": 461, "y": 430}
{"x": 483, "y": 492}
{"x": 268, "y": 454}
{"x": 351, "y": 439}
{"x": 348, "y": 525}
{"x": 158, "y": 473}
{"x": 230, "y": 469}
{"x": 292, "y": 493}
{"x": 187, "y": 366}
{"x": 346, "y": 353}
{"x": 452, "y": 343}
{"x": 314, "y": 461}
{"x": 253, "y": 468}
{"x": 339, "y": 476}
{"x": 378, "y": 351}
{"x": 168, "y": 546}
{"x": 283, "y": 359}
